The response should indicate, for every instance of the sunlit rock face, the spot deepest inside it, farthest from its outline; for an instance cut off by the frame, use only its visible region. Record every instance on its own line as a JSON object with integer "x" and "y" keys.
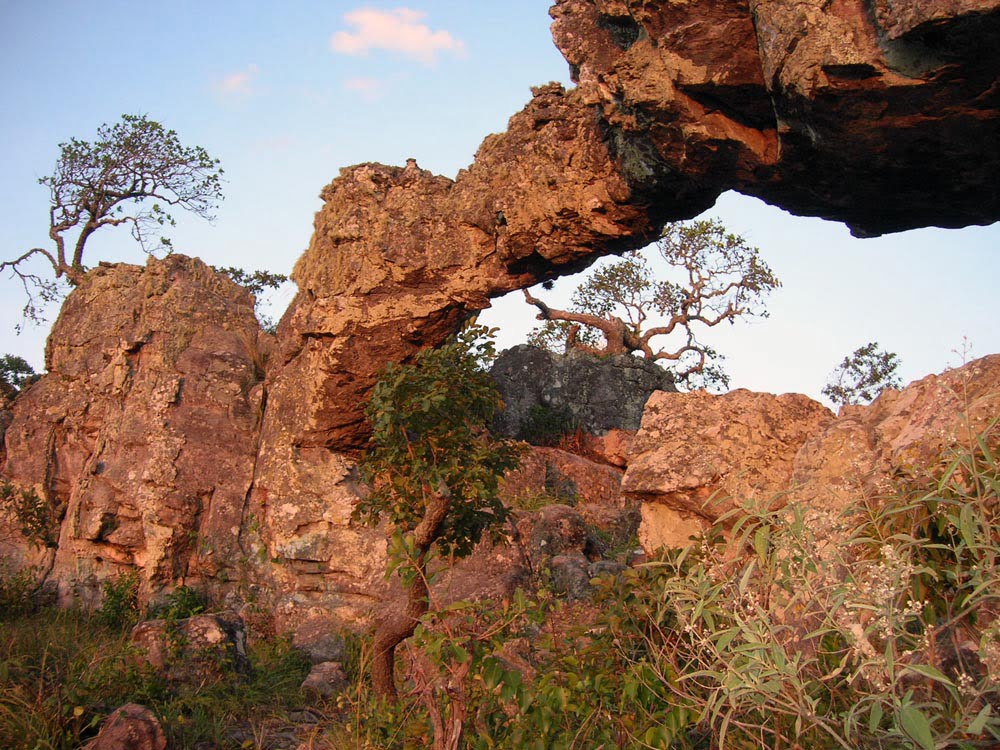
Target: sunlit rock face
{"x": 172, "y": 436}
{"x": 142, "y": 437}
{"x": 698, "y": 456}
{"x": 883, "y": 116}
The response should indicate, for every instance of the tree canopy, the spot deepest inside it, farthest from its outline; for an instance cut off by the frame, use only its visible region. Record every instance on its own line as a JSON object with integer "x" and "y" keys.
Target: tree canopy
{"x": 719, "y": 277}
{"x": 134, "y": 173}
{"x": 434, "y": 471}
{"x": 862, "y": 376}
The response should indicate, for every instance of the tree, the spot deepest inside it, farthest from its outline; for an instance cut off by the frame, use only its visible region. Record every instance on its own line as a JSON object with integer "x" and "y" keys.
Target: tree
{"x": 861, "y": 377}
{"x": 132, "y": 174}
{"x": 434, "y": 471}
{"x": 256, "y": 282}
{"x": 722, "y": 278}
{"x": 15, "y": 373}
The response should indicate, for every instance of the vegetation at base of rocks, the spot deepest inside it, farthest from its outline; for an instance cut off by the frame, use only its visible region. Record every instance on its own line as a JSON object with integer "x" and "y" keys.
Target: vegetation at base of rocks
{"x": 179, "y": 604}
{"x": 434, "y": 471}
{"x": 547, "y": 426}
{"x": 18, "y": 589}
{"x": 62, "y": 672}
{"x": 134, "y": 173}
{"x": 762, "y": 634}
{"x": 862, "y": 376}
{"x": 719, "y": 277}
{"x": 120, "y": 606}
{"x": 36, "y": 519}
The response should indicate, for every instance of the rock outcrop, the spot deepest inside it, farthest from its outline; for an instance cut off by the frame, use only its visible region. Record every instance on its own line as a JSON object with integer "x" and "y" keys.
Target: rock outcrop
{"x": 595, "y": 394}
{"x": 173, "y": 436}
{"x": 142, "y": 436}
{"x": 885, "y": 120}
{"x": 697, "y": 455}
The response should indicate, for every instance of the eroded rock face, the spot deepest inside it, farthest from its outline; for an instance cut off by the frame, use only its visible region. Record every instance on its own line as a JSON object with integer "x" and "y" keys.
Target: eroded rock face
{"x": 596, "y": 394}
{"x": 143, "y": 434}
{"x": 883, "y": 120}
{"x": 697, "y": 455}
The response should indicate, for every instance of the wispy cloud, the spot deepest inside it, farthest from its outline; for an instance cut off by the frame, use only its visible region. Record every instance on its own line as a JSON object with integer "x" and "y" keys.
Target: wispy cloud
{"x": 369, "y": 89}
{"x": 398, "y": 30}
{"x": 236, "y": 84}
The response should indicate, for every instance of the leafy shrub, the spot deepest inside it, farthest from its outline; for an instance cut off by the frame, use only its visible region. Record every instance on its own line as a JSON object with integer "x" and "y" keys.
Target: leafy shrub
{"x": 181, "y": 603}
{"x": 861, "y": 377}
{"x": 36, "y": 518}
{"x": 17, "y": 591}
{"x": 120, "y": 602}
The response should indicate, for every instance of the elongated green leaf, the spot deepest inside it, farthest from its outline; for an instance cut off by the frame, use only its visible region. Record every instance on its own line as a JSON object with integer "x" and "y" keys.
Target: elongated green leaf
{"x": 979, "y": 723}
{"x": 916, "y": 726}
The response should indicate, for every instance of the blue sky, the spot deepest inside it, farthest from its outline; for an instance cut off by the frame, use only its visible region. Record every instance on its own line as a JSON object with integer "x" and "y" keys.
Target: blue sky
{"x": 287, "y": 94}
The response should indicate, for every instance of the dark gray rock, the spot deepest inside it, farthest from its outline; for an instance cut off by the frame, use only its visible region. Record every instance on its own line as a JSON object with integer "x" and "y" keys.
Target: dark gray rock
{"x": 326, "y": 680}
{"x": 593, "y": 393}
{"x": 571, "y": 577}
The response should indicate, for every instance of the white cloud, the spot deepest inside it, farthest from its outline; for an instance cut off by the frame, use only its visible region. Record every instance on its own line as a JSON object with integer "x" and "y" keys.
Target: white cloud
{"x": 398, "y": 30}
{"x": 370, "y": 89}
{"x": 237, "y": 84}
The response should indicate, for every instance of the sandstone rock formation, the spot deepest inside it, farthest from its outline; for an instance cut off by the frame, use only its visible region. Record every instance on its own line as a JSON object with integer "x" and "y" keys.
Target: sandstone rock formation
{"x": 142, "y": 436}
{"x": 885, "y": 120}
{"x": 131, "y": 727}
{"x": 696, "y": 454}
{"x": 596, "y": 394}
{"x": 193, "y": 649}
{"x": 172, "y": 436}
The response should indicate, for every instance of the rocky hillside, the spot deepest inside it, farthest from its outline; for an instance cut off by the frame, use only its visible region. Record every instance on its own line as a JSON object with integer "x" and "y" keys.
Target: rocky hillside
{"x": 172, "y": 436}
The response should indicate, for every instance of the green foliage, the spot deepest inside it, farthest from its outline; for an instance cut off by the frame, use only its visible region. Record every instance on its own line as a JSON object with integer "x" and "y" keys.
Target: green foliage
{"x": 257, "y": 283}
{"x": 37, "y": 519}
{"x": 430, "y": 435}
{"x": 120, "y": 602}
{"x": 181, "y": 603}
{"x": 62, "y": 672}
{"x": 714, "y": 276}
{"x": 18, "y": 589}
{"x": 135, "y": 173}
{"x": 862, "y": 644}
{"x": 861, "y": 377}
{"x": 15, "y": 373}
{"x": 761, "y": 635}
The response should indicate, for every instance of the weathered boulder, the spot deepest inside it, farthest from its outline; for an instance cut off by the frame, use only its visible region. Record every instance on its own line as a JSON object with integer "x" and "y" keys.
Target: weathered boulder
{"x": 907, "y": 434}
{"x": 131, "y": 727}
{"x": 594, "y": 394}
{"x": 142, "y": 436}
{"x": 195, "y": 648}
{"x": 326, "y": 680}
{"x": 697, "y": 455}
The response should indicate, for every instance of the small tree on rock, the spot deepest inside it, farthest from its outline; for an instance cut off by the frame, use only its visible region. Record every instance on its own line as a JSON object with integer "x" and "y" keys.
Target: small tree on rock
{"x": 861, "y": 377}
{"x": 434, "y": 471}
{"x": 132, "y": 174}
{"x": 15, "y": 373}
{"x": 722, "y": 279}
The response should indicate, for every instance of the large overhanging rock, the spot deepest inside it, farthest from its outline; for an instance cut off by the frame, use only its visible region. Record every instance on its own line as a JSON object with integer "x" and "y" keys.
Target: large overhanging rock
{"x": 883, "y": 115}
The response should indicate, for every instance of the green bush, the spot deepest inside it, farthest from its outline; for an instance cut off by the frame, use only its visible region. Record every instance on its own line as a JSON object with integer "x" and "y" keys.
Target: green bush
{"x": 120, "y": 602}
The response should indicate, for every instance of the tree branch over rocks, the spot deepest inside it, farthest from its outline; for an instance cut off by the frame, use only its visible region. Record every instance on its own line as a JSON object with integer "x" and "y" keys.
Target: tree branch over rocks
{"x": 132, "y": 174}
{"x": 621, "y": 308}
